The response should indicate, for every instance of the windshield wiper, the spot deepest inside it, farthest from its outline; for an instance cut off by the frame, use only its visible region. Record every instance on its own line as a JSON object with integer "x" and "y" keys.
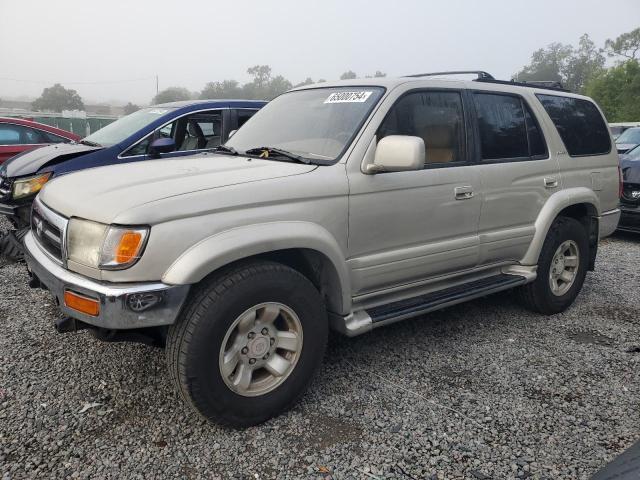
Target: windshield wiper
{"x": 90, "y": 143}
{"x": 225, "y": 149}
{"x": 267, "y": 152}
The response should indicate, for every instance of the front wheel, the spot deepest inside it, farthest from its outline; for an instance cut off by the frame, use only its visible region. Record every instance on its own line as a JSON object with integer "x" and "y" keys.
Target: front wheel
{"x": 562, "y": 268}
{"x": 11, "y": 246}
{"x": 248, "y": 343}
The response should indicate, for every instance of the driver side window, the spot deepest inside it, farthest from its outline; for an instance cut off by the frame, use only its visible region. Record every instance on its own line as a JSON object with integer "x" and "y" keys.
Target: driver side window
{"x": 436, "y": 117}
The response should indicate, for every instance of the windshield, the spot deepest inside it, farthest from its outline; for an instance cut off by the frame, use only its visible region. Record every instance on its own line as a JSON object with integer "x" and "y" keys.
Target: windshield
{"x": 124, "y": 127}
{"x": 317, "y": 124}
{"x": 634, "y": 154}
{"x": 632, "y": 135}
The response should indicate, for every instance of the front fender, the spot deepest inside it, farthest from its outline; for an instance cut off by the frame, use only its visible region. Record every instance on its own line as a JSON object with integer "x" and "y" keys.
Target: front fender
{"x": 238, "y": 243}
{"x": 553, "y": 206}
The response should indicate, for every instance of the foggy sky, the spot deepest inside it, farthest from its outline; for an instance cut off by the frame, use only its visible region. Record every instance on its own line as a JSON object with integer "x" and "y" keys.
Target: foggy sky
{"x": 190, "y": 42}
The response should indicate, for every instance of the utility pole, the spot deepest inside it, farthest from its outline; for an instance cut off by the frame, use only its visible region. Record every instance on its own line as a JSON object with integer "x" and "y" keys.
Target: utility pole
{"x": 156, "y": 84}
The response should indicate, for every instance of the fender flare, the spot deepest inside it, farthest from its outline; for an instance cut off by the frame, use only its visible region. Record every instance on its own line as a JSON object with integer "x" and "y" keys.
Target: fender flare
{"x": 223, "y": 248}
{"x": 552, "y": 207}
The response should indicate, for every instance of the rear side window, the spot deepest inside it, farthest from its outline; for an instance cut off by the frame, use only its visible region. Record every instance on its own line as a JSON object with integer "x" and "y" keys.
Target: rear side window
{"x": 508, "y": 129}
{"x": 579, "y": 124}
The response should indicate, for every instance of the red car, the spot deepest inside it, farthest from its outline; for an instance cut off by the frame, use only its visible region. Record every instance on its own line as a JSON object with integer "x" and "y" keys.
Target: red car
{"x": 17, "y": 136}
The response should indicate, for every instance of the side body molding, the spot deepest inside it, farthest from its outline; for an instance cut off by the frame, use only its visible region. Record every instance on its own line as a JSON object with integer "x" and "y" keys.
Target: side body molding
{"x": 235, "y": 244}
{"x": 554, "y": 205}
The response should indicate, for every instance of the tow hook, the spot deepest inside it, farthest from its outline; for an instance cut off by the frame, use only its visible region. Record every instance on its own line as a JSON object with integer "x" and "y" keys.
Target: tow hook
{"x": 66, "y": 325}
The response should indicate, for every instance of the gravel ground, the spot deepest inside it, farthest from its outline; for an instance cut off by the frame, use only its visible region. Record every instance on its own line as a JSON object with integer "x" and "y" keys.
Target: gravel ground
{"x": 483, "y": 390}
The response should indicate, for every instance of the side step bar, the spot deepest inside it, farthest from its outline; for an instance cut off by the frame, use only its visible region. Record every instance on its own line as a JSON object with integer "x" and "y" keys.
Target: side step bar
{"x": 364, "y": 320}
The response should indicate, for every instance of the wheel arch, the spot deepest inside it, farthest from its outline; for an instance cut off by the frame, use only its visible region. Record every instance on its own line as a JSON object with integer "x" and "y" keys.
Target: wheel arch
{"x": 581, "y": 204}
{"x": 305, "y": 247}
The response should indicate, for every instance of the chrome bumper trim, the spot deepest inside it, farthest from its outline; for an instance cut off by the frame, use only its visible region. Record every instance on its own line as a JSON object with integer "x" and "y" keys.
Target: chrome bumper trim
{"x": 115, "y": 314}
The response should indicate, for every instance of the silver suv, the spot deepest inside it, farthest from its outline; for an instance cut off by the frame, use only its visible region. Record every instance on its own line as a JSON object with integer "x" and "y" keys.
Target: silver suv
{"x": 349, "y": 206}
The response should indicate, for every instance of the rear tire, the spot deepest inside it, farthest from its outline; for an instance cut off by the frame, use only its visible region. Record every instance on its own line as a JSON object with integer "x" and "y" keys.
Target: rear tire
{"x": 218, "y": 324}
{"x": 560, "y": 274}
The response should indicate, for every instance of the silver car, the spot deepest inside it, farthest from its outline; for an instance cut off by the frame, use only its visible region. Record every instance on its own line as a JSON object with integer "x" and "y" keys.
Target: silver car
{"x": 348, "y": 205}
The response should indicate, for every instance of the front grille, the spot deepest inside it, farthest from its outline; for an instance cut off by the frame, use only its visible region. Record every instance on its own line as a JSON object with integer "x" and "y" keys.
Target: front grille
{"x": 49, "y": 229}
{"x": 5, "y": 188}
{"x": 631, "y": 193}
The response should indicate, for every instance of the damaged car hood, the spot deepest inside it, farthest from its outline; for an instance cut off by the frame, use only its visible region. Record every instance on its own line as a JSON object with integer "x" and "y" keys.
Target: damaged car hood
{"x": 30, "y": 162}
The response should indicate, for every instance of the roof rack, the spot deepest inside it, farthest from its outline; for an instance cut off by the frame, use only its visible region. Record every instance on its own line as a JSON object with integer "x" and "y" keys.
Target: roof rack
{"x": 544, "y": 84}
{"x": 483, "y": 76}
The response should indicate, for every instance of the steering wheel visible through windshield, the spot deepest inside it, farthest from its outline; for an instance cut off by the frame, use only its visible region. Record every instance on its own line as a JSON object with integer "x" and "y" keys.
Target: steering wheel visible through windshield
{"x": 317, "y": 124}
{"x": 124, "y": 127}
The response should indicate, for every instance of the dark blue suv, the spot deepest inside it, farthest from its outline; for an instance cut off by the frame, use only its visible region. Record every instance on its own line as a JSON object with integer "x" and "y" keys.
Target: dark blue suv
{"x": 161, "y": 131}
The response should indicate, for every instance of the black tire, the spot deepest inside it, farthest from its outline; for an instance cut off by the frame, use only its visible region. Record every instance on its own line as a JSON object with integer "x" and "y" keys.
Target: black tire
{"x": 538, "y": 296}
{"x": 194, "y": 341}
{"x": 11, "y": 246}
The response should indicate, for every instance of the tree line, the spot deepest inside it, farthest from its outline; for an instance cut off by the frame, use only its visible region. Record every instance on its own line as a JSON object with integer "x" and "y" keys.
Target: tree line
{"x": 581, "y": 68}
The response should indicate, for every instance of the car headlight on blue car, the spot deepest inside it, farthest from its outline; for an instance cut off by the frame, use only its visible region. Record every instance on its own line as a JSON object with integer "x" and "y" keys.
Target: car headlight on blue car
{"x": 107, "y": 247}
{"x": 25, "y": 187}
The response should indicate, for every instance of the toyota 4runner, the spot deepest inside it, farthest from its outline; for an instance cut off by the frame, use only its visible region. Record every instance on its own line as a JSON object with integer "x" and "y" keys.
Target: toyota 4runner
{"x": 349, "y": 206}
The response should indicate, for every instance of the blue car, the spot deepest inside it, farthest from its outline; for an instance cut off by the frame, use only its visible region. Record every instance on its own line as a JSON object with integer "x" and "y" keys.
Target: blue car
{"x": 161, "y": 131}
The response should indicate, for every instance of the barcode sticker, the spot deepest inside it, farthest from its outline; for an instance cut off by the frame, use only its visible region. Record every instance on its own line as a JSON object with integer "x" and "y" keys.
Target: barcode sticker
{"x": 348, "y": 97}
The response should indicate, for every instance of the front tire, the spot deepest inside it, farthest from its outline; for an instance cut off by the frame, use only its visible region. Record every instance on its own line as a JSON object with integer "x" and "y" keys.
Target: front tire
{"x": 248, "y": 343}
{"x": 11, "y": 246}
{"x": 562, "y": 268}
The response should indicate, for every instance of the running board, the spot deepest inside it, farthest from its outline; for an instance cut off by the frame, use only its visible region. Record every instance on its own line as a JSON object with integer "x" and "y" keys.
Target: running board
{"x": 364, "y": 320}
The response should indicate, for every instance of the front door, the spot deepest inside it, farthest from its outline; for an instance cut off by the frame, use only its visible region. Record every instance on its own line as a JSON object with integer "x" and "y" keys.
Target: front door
{"x": 409, "y": 226}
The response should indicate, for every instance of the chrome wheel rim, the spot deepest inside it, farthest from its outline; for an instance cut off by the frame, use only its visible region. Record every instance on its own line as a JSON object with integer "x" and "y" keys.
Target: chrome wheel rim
{"x": 260, "y": 349}
{"x": 564, "y": 267}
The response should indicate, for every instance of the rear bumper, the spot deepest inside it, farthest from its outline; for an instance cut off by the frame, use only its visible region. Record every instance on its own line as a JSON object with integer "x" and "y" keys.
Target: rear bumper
{"x": 629, "y": 219}
{"x": 120, "y": 304}
{"x": 608, "y": 222}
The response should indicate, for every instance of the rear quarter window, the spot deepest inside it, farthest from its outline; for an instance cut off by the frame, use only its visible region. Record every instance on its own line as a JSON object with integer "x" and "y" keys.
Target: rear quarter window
{"x": 579, "y": 123}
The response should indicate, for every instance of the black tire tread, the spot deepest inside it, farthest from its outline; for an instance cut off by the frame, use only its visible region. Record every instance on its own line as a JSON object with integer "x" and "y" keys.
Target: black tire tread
{"x": 180, "y": 334}
{"x": 529, "y": 294}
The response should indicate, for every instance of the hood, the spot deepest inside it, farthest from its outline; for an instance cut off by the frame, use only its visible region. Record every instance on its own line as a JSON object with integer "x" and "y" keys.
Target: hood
{"x": 625, "y": 147}
{"x": 30, "y": 162}
{"x": 101, "y": 194}
{"x": 630, "y": 170}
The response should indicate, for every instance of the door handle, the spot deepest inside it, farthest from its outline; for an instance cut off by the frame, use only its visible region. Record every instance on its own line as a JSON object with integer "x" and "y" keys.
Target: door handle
{"x": 550, "y": 182}
{"x": 463, "y": 193}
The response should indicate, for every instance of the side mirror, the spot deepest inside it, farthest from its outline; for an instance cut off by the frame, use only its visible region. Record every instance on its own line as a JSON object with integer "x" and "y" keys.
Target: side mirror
{"x": 232, "y": 133}
{"x": 397, "y": 153}
{"x": 162, "y": 145}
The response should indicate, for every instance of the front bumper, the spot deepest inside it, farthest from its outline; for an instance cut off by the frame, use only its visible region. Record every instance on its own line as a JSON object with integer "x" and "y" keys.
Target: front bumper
{"x": 119, "y": 303}
{"x": 630, "y": 219}
{"x": 608, "y": 222}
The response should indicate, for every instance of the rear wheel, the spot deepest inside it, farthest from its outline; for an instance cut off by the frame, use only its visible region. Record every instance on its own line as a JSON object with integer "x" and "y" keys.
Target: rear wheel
{"x": 562, "y": 268}
{"x": 248, "y": 343}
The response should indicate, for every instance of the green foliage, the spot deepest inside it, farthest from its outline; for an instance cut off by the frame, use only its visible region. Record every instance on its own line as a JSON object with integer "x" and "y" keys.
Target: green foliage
{"x": 626, "y": 45}
{"x": 617, "y": 91}
{"x": 130, "y": 108}
{"x": 224, "y": 89}
{"x": 57, "y": 99}
{"x": 172, "y": 94}
{"x": 573, "y": 67}
{"x": 349, "y": 75}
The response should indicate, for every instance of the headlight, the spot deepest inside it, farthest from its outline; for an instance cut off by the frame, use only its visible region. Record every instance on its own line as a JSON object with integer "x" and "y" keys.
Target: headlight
{"x": 102, "y": 246}
{"x": 29, "y": 185}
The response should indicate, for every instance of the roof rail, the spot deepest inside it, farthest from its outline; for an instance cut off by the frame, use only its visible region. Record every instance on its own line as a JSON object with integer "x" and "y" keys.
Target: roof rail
{"x": 544, "y": 84}
{"x": 481, "y": 74}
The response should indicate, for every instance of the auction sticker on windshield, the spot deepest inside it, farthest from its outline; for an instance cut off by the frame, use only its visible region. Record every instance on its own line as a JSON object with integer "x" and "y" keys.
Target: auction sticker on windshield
{"x": 348, "y": 97}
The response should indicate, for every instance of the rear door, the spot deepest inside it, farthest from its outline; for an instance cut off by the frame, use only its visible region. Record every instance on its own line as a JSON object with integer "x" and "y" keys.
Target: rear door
{"x": 15, "y": 139}
{"x": 518, "y": 173}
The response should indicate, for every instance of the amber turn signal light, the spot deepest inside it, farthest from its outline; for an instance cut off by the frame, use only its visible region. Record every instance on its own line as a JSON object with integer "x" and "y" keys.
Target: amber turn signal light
{"x": 128, "y": 247}
{"x": 82, "y": 304}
